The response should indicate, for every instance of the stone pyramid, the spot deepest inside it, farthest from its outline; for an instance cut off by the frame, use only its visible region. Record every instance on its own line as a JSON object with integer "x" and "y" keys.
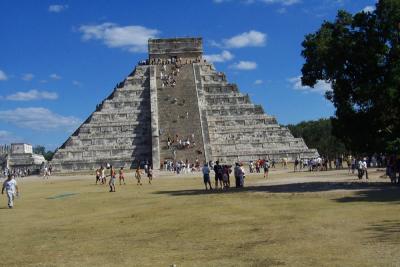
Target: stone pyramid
{"x": 176, "y": 106}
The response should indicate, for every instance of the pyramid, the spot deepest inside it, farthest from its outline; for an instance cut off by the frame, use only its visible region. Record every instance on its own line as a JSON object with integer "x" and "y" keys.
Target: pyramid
{"x": 176, "y": 106}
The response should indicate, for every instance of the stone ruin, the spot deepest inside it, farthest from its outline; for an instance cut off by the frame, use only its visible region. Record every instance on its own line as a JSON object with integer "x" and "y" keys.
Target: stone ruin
{"x": 176, "y": 96}
{"x": 20, "y": 156}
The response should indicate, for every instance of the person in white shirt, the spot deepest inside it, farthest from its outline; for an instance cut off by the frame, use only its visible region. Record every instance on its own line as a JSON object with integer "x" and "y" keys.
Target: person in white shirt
{"x": 360, "y": 169}
{"x": 365, "y": 168}
{"x": 243, "y": 175}
{"x": 11, "y": 187}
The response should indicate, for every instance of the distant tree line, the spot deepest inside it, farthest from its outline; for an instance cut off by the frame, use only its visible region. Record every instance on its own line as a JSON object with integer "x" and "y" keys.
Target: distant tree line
{"x": 41, "y": 150}
{"x": 318, "y": 134}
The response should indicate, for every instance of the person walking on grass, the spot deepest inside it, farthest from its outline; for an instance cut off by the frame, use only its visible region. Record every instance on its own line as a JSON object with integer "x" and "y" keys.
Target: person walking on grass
{"x": 237, "y": 172}
{"x": 296, "y": 164}
{"x": 206, "y": 176}
{"x": 365, "y": 168}
{"x": 225, "y": 177}
{"x": 112, "y": 179}
{"x": 138, "y": 176}
{"x": 103, "y": 178}
{"x": 45, "y": 173}
{"x": 121, "y": 176}
{"x": 150, "y": 174}
{"x": 98, "y": 174}
{"x": 266, "y": 169}
{"x": 360, "y": 169}
{"x": 11, "y": 187}
{"x": 242, "y": 178}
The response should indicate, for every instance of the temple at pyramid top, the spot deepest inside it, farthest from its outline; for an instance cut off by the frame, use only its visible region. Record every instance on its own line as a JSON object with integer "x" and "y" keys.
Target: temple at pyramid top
{"x": 184, "y": 48}
{"x": 175, "y": 106}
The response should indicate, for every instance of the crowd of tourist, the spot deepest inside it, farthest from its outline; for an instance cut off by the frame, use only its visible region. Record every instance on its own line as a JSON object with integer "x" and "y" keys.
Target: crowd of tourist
{"x": 180, "y": 166}
{"x": 101, "y": 176}
{"x": 223, "y": 173}
{"x": 44, "y": 170}
{"x": 355, "y": 165}
{"x": 261, "y": 164}
{"x": 178, "y": 143}
{"x": 17, "y": 172}
{"x": 222, "y": 176}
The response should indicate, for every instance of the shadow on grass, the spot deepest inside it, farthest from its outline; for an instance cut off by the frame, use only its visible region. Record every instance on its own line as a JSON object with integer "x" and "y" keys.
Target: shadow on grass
{"x": 387, "y": 231}
{"x": 374, "y": 192}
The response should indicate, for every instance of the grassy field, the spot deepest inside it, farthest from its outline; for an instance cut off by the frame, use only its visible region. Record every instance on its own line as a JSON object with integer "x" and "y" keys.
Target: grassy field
{"x": 301, "y": 219}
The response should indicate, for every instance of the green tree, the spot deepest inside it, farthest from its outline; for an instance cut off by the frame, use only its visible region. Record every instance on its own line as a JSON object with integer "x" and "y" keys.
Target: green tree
{"x": 49, "y": 155}
{"x": 38, "y": 149}
{"x": 41, "y": 150}
{"x": 318, "y": 134}
{"x": 360, "y": 56}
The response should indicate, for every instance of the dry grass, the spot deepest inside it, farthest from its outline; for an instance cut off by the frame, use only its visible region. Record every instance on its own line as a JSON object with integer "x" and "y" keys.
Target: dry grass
{"x": 173, "y": 221}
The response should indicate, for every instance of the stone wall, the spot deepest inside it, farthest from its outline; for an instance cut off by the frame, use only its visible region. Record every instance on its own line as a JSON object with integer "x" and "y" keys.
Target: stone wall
{"x": 118, "y": 132}
{"x": 240, "y": 130}
{"x": 184, "y": 48}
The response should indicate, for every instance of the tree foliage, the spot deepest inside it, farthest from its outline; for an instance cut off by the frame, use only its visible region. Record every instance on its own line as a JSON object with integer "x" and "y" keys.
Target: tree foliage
{"x": 360, "y": 56}
{"x": 41, "y": 150}
{"x": 318, "y": 134}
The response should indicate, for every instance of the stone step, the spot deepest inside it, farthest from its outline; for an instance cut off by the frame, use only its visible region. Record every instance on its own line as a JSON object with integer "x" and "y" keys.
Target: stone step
{"x": 94, "y": 164}
{"x": 124, "y": 149}
{"x": 264, "y": 151}
{"x": 131, "y": 90}
{"x": 141, "y": 106}
{"x": 248, "y": 129}
{"x": 225, "y": 99}
{"x": 174, "y": 105}
{"x": 95, "y": 155}
{"x": 241, "y": 118}
{"x": 218, "y": 140}
{"x": 129, "y": 119}
{"x": 124, "y": 102}
{"x": 258, "y": 144}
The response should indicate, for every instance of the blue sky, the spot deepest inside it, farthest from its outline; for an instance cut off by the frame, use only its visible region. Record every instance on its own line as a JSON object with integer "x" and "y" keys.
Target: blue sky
{"x": 58, "y": 59}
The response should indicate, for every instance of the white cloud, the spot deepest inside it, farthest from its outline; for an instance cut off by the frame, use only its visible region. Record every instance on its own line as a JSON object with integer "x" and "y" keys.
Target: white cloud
{"x": 76, "y": 83}
{"x": 3, "y": 76}
{"x": 368, "y": 9}
{"x": 7, "y": 137}
{"x": 258, "y": 82}
{"x": 132, "y": 38}
{"x": 222, "y": 57}
{"x": 32, "y": 95}
{"x": 57, "y": 8}
{"x": 321, "y": 86}
{"x": 247, "y": 39}
{"x": 282, "y": 2}
{"x": 244, "y": 65}
{"x": 27, "y": 77}
{"x": 55, "y": 76}
{"x": 40, "y": 119}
